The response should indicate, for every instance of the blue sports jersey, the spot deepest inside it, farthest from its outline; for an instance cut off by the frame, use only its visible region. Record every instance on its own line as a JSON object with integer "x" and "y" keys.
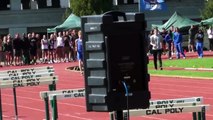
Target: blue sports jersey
{"x": 79, "y": 45}
{"x": 177, "y": 38}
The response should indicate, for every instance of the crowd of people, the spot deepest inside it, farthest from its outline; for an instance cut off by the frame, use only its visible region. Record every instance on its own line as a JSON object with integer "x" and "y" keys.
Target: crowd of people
{"x": 66, "y": 46}
{"x": 31, "y": 48}
{"x": 170, "y": 42}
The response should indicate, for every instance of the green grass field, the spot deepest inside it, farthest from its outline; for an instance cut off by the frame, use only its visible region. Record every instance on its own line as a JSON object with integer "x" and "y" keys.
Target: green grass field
{"x": 184, "y": 63}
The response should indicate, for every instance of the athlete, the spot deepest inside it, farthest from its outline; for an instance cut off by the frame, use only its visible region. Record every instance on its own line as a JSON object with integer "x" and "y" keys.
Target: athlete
{"x": 79, "y": 49}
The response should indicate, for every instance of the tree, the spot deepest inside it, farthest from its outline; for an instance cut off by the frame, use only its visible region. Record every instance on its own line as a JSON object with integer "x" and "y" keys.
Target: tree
{"x": 89, "y": 7}
{"x": 207, "y": 12}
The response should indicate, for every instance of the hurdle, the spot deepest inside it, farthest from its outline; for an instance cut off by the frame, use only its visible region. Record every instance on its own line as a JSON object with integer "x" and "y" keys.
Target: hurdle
{"x": 193, "y": 105}
{"x": 27, "y": 77}
{"x": 59, "y": 95}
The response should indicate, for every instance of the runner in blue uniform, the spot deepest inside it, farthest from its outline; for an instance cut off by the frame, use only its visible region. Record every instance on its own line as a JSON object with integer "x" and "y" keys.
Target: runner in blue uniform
{"x": 178, "y": 43}
{"x": 79, "y": 49}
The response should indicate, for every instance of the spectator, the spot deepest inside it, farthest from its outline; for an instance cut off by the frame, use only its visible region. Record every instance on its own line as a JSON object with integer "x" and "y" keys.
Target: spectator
{"x": 39, "y": 51}
{"x": 51, "y": 48}
{"x": 74, "y": 37}
{"x": 60, "y": 47}
{"x": 66, "y": 48}
{"x": 149, "y": 45}
{"x": 1, "y": 51}
{"x": 17, "y": 47}
{"x": 55, "y": 47}
{"x": 79, "y": 49}
{"x": 8, "y": 46}
{"x": 44, "y": 48}
{"x": 210, "y": 36}
{"x": 64, "y": 33}
{"x": 156, "y": 41}
{"x": 68, "y": 35}
{"x": 199, "y": 43}
{"x": 168, "y": 39}
{"x": 33, "y": 48}
{"x": 173, "y": 46}
{"x": 26, "y": 49}
{"x": 192, "y": 32}
{"x": 178, "y": 44}
{"x": 163, "y": 34}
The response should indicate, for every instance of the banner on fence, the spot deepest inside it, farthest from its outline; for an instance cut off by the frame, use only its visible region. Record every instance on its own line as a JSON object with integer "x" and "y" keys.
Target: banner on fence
{"x": 151, "y": 5}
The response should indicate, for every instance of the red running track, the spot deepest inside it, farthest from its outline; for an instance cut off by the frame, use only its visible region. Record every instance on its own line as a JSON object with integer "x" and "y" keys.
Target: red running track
{"x": 31, "y": 107}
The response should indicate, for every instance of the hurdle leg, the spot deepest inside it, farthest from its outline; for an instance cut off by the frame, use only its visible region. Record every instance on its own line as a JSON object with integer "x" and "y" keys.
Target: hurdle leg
{"x": 119, "y": 115}
{"x": 15, "y": 104}
{"x": 194, "y": 115}
{"x": 55, "y": 104}
{"x": 52, "y": 87}
{"x": 111, "y": 115}
{"x": 203, "y": 112}
{"x": 46, "y": 101}
{"x": 54, "y": 110}
{"x": 125, "y": 115}
{"x": 199, "y": 116}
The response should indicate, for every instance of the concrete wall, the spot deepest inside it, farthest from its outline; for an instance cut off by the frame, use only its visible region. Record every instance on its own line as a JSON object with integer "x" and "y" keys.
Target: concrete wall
{"x": 23, "y": 19}
{"x": 4, "y": 32}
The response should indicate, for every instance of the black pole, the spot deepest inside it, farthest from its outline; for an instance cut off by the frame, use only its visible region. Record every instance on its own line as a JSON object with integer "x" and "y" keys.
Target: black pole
{"x": 194, "y": 115}
{"x": 46, "y": 101}
{"x": 203, "y": 112}
{"x": 199, "y": 116}
{"x": 54, "y": 110}
{"x": 112, "y": 116}
{"x": 15, "y": 104}
{"x": 119, "y": 115}
{"x": 53, "y": 102}
{"x": 0, "y": 107}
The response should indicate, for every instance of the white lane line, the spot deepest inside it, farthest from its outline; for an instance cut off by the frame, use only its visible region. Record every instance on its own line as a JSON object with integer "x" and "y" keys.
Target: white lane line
{"x": 195, "y": 82}
{"x": 39, "y": 110}
{"x": 188, "y": 86}
{"x": 182, "y": 77}
{"x": 81, "y": 106}
{"x": 198, "y": 69}
{"x": 199, "y": 82}
{"x": 210, "y": 115}
{"x": 68, "y": 115}
{"x": 179, "y": 90}
{"x": 10, "y": 117}
{"x": 160, "y": 93}
{"x": 39, "y": 100}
